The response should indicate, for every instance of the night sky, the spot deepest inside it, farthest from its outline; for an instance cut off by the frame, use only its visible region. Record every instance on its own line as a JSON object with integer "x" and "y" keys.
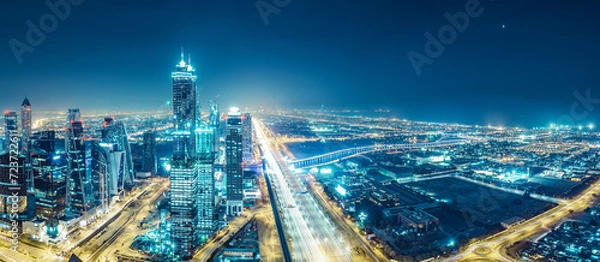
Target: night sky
{"x": 518, "y": 63}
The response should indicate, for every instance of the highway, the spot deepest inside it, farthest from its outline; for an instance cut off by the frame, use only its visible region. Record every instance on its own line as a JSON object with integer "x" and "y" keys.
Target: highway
{"x": 284, "y": 245}
{"x": 347, "y": 226}
{"x": 310, "y": 232}
{"x": 494, "y": 247}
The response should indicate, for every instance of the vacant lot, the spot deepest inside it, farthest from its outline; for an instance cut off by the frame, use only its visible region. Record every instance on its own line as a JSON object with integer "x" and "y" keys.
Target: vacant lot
{"x": 477, "y": 204}
{"x": 553, "y": 187}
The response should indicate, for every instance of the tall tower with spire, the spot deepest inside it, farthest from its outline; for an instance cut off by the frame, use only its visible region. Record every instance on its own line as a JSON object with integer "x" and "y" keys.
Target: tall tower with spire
{"x": 184, "y": 167}
{"x": 26, "y": 123}
{"x": 185, "y": 100}
{"x": 26, "y": 150}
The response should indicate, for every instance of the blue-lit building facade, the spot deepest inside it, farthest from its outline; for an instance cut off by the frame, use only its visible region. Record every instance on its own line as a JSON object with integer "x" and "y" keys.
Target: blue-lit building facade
{"x": 184, "y": 171}
{"x": 234, "y": 161}
{"x": 114, "y": 132}
{"x": 15, "y": 204}
{"x": 107, "y": 167}
{"x": 214, "y": 122}
{"x": 49, "y": 172}
{"x": 247, "y": 138}
{"x": 80, "y": 186}
{"x": 206, "y": 181}
{"x": 25, "y": 125}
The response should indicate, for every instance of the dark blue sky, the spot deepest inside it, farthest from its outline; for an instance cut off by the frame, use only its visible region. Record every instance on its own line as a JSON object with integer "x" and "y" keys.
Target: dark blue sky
{"x": 340, "y": 53}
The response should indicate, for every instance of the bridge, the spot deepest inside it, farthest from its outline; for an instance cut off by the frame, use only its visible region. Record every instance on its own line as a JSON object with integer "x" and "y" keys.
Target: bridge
{"x": 335, "y": 156}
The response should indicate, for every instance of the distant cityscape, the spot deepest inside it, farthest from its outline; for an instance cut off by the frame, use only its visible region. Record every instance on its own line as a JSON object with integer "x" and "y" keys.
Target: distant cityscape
{"x": 189, "y": 182}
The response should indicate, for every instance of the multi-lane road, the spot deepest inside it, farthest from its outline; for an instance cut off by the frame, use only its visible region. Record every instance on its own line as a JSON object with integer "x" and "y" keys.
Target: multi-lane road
{"x": 311, "y": 234}
{"x": 303, "y": 243}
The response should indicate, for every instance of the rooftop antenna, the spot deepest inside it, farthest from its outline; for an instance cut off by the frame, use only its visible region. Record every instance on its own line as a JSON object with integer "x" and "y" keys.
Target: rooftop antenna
{"x": 190, "y": 59}
{"x": 182, "y": 58}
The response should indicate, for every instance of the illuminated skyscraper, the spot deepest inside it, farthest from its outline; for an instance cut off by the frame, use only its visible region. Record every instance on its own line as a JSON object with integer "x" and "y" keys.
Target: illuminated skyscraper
{"x": 149, "y": 153}
{"x": 186, "y": 111}
{"x": 204, "y": 137}
{"x": 44, "y": 140}
{"x": 214, "y": 122}
{"x": 74, "y": 123}
{"x": 184, "y": 167}
{"x": 206, "y": 183}
{"x": 107, "y": 169}
{"x": 13, "y": 190}
{"x": 184, "y": 208}
{"x": 49, "y": 172}
{"x": 247, "y": 138}
{"x": 26, "y": 124}
{"x": 233, "y": 157}
{"x": 80, "y": 189}
{"x": 114, "y": 132}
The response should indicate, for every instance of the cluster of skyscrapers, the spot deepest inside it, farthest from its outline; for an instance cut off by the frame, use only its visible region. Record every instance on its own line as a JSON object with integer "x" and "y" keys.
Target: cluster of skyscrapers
{"x": 196, "y": 144}
{"x": 67, "y": 178}
{"x": 64, "y": 178}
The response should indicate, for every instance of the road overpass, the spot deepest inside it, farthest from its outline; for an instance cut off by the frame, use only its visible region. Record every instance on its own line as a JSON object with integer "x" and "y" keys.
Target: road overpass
{"x": 335, "y": 156}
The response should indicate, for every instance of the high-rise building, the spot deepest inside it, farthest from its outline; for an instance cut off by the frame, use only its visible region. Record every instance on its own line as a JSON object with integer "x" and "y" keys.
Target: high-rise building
{"x": 206, "y": 198}
{"x": 149, "y": 153}
{"x": 247, "y": 138}
{"x": 25, "y": 124}
{"x": 14, "y": 203}
{"x": 214, "y": 122}
{"x": 206, "y": 183}
{"x": 80, "y": 186}
{"x": 184, "y": 167}
{"x": 44, "y": 140}
{"x": 204, "y": 138}
{"x": 11, "y": 130}
{"x": 184, "y": 207}
{"x": 107, "y": 169}
{"x": 114, "y": 132}
{"x": 186, "y": 111}
{"x": 80, "y": 189}
{"x": 49, "y": 172}
{"x": 74, "y": 123}
{"x": 233, "y": 158}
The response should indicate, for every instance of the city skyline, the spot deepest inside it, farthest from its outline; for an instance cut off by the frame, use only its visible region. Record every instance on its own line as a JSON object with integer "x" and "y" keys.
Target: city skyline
{"x": 283, "y": 130}
{"x": 283, "y": 63}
